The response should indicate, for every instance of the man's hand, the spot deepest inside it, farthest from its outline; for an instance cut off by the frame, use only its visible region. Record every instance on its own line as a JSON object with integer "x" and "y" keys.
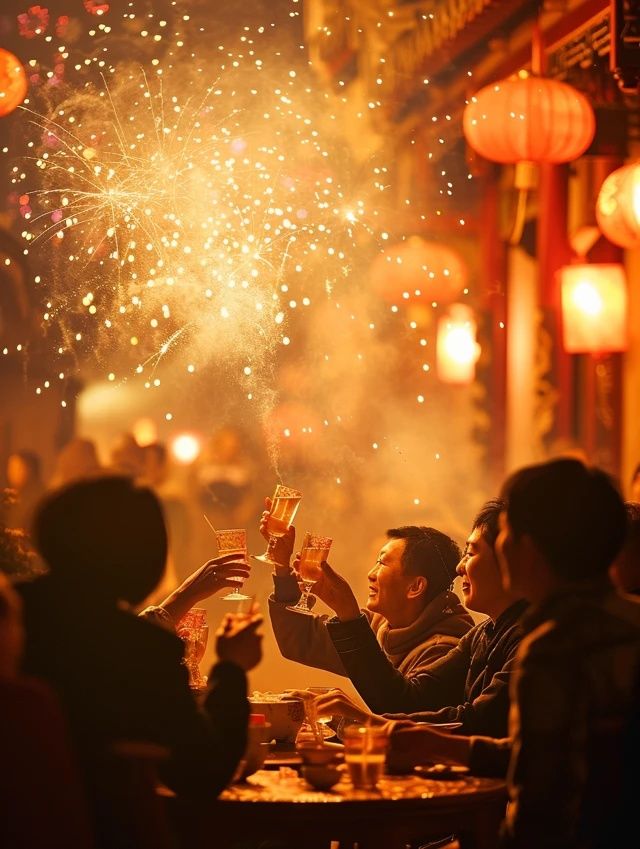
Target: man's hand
{"x": 337, "y": 703}
{"x": 336, "y": 594}
{"x": 237, "y": 640}
{"x": 414, "y": 744}
{"x": 284, "y": 547}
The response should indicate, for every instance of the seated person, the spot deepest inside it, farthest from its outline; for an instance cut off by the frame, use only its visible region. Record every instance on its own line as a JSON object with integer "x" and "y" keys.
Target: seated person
{"x": 38, "y": 769}
{"x": 411, "y": 617}
{"x": 119, "y": 677}
{"x": 576, "y": 686}
{"x": 625, "y": 569}
{"x": 470, "y": 684}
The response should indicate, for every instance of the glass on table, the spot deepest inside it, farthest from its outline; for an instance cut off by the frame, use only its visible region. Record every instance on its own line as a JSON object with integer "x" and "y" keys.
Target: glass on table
{"x": 194, "y": 631}
{"x": 284, "y": 506}
{"x": 233, "y": 541}
{"x": 365, "y": 748}
{"x": 315, "y": 549}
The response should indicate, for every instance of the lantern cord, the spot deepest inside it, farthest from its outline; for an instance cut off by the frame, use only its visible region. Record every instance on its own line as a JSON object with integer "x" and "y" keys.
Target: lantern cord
{"x": 521, "y": 211}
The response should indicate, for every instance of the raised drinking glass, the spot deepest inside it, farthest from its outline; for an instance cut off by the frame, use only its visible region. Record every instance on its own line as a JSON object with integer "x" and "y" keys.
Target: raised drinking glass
{"x": 315, "y": 549}
{"x": 233, "y": 542}
{"x": 284, "y": 506}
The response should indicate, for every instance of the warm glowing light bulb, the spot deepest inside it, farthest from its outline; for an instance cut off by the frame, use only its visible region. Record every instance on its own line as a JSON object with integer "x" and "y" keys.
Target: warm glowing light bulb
{"x": 457, "y": 349}
{"x": 587, "y": 298}
{"x": 186, "y": 447}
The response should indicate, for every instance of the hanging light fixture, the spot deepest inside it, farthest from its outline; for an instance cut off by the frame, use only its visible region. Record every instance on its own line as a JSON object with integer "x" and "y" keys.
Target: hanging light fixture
{"x": 529, "y": 119}
{"x": 618, "y": 206}
{"x": 594, "y": 308}
{"x": 457, "y": 349}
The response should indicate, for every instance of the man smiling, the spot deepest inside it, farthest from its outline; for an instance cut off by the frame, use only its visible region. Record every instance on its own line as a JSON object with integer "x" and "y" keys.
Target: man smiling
{"x": 411, "y": 617}
{"x": 469, "y": 684}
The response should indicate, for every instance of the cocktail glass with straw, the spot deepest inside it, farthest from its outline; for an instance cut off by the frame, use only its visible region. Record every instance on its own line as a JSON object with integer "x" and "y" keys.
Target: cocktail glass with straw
{"x": 284, "y": 506}
{"x": 315, "y": 549}
{"x": 233, "y": 542}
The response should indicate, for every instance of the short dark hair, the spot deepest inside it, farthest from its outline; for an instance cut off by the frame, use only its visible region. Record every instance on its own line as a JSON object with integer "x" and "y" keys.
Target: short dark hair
{"x": 105, "y": 536}
{"x": 488, "y": 520}
{"x": 573, "y": 513}
{"x": 430, "y": 553}
{"x": 632, "y": 539}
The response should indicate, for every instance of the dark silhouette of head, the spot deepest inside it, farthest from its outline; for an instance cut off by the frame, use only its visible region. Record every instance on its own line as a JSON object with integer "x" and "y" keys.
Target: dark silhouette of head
{"x": 105, "y": 537}
{"x": 625, "y": 571}
{"x": 573, "y": 513}
{"x": 430, "y": 553}
{"x": 488, "y": 520}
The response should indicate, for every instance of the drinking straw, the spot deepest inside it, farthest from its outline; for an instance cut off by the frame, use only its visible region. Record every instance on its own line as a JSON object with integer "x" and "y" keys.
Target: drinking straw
{"x": 209, "y": 523}
{"x": 312, "y": 717}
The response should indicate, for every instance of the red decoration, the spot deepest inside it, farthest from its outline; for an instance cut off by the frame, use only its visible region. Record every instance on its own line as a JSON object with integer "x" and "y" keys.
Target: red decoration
{"x": 594, "y": 308}
{"x": 33, "y": 22}
{"x": 618, "y": 206}
{"x": 13, "y": 82}
{"x": 96, "y": 8}
{"x": 418, "y": 269}
{"x": 529, "y": 119}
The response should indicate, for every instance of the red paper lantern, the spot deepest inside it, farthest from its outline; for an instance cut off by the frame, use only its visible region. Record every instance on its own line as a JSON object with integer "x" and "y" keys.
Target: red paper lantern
{"x": 618, "y": 206}
{"x": 529, "y": 119}
{"x": 594, "y": 308}
{"x": 13, "y": 82}
{"x": 418, "y": 269}
{"x": 457, "y": 349}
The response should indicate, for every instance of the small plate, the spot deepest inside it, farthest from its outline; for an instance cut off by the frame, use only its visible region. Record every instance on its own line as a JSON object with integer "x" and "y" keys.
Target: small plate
{"x": 443, "y": 771}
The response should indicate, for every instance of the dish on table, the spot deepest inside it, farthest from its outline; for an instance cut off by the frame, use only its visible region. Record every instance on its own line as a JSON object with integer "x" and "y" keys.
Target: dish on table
{"x": 443, "y": 771}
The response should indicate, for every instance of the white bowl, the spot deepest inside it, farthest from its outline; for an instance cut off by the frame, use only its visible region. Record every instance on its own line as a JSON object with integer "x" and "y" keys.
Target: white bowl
{"x": 285, "y": 716}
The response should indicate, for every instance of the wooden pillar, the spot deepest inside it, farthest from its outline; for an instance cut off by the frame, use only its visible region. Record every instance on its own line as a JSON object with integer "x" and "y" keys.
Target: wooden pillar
{"x": 493, "y": 264}
{"x": 553, "y": 252}
{"x": 605, "y": 415}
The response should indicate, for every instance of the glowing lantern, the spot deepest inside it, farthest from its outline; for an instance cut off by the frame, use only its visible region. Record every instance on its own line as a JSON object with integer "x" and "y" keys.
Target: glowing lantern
{"x": 529, "y": 119}
{"x": 13, "y": 82}
{"x": 594, "y": 308}
{"x": 618, "y": 206}
{"x": 185, "y": 447}
{"x": 457, "y": 349}
{"x": 418, "y": 269}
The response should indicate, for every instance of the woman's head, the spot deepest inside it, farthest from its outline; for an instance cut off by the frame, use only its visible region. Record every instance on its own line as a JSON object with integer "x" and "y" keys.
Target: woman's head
{"x": 105, "y": 536}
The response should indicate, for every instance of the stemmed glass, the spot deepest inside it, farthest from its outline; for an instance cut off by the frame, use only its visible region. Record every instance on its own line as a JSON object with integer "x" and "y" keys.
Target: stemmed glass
{"x": 233, "y": 542}
{"x": 315, "y": 549}
{"x": 323, "y": 719}
{"x": 284, "y": 506}
{"x": 194, "y": 631}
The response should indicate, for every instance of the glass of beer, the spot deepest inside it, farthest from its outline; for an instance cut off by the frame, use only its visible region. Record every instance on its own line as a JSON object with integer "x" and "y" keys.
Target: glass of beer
{"x": 233, "y": 542}
{"x": 284, "y": 506}
{"x": 365, "y": 748}
{"x": 315, "y": 549}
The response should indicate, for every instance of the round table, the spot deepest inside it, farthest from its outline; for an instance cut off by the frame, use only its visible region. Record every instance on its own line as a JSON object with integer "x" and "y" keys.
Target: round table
{"x": 403, "y": 811}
